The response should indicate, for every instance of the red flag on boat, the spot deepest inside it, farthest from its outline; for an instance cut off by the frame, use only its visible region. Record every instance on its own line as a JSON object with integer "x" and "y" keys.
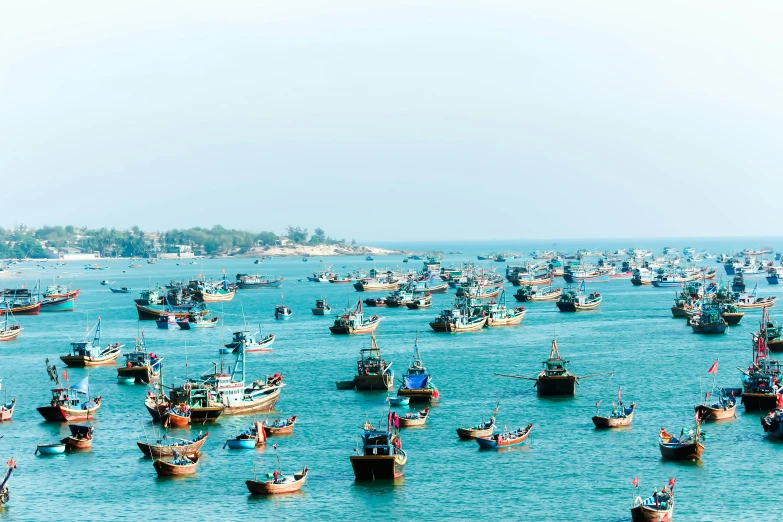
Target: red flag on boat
{"x": 65, "y": 375}
{"x": 713, "y": 368}
{"x": 436, "y": 395}
{"x": 671, "y": 482}
{"x": 11, "y": 463}
{"x": 635, "y": 482}
{"x": 779, "y": 405}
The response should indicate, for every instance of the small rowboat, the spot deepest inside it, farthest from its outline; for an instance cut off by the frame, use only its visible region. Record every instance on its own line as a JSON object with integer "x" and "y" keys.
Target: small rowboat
{"x": 181, "y": 465}
{"x": 279, "y": 485}
{"x": 656, "y": 508}
{"x": 399, "y": 400}
{"x": 106, "y": 282}
{"x": 50, "y": 449}
{"x": 241, "y": 441}
{"x": 722, "y": 409}
{"x": 79, "y": 439}
{"x": 414, "y": 419}
{"x": 505, "y": 439}
{"x": 7, "y": 410}
{"x": 167, "y": 450}
{"x": 481, "y": 430}
{"x": 280, "y": 427}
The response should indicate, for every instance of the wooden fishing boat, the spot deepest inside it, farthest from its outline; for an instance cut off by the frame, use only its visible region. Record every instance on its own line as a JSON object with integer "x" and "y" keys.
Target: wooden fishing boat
{"x": 283, "y": 312}
{"x": 738, "y": 283}
{"x": 7, "y": 409}
{"x": 164, "y": 448}
{"x": 8, "y": 331}
{"x": 279, "y": 485}
{"x": 249, "y": 282}
{"x": 140, "y": 367}
{"x": 57, "y": 304}
{"x": 202, "y": 402}
{"x": 372, "y": 372}
{"x": 373, "y": 302}
{"x": 498, "y": 314}
{"x": 773, "y": 421}
{"x": 657, "y": 508}
{"x": 321, "y": 307}
{"x": 215, "y": 295}
{"x": 578, "y": 301}
{"x": 540, "y": 294}
{"x": 5, "y": 495}
{"x": 150, "y": 313}
{"x": 80, "y": 437}
{"x": 66, "y": 404}
{"x": 414, "y": 419}
{"x": 708, "y": 320}
{"x": 399, "y": 298}
{"x": 50, "y": 449}
{"x": 731, "y": 314}
{"x": 352, "y": 322}
{"x": 178, "y": 416}
{"x": 337, "y": 279}
{"x": 688, "y": 446}
{"x": 505, "y": 439}
{"x": 88, "y": 352}
{"x": 381, "y": 455}
{"x": 620, "y": 416}
{"x": 122, "y": 290}
{"x": 455, "y": 320}
{"x": 417, "y": 385}
{"x": 280, "y": 427}
{"x": 375, "y": 285}
{"x": 722, "y": 409}
{"x": 420, "y": 303}
{"x": 179, "y": 465}
{"x": 482, "y": 429}
{"x": 747, "y": 302}
{"x": 555, "y": 379}
{"x": 23, "y": 309}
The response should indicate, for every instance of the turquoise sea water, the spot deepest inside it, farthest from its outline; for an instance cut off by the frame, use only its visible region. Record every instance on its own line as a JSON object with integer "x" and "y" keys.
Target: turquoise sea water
{"x": 569, "y": 471}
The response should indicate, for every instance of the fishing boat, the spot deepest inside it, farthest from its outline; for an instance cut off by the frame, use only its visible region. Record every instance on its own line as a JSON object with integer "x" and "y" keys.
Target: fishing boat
{"x": 5, "y": 494}
{"x": 463, "y": 317}
{"x": 166, "y": 446}
{"x": 372, "y": 372}
{"x": 381, "y": 455}
{"x": 689, "y": 445}
{"x": 352, "y": 322}
{"x": 279, "y": 426}
{"x": 773, "y": 333}
{"x": 250, "y": 438}
{"x": 278, "y": 484}
{"x": 373, "y": 302}
{"x": 7, "y": 408}
{"x": 505, "y": 439}
{"x": 321, "y": 307}
{"x": 80, "y": 437}
{"x": 338, "y": 279}
{"x": 534, "y": 293}
{"x": 121, "y": 290}
{"x": 429, "y": 286}
{"x": 482, "y": 429}
{"x": 57, "y": 304}
{"x": 751, "y": 301}
{"x": 773, "y": 274}
{"x": 202, "y": 402}
{"x": 179, "y": 465}
{"x": 641, "y": 276}
{"x": 708, "y": 320}
{"x": 682, "y": 302}
{"x": 761, "y": 381}
{"x": 254, "y": 343}
{"x": 376, "y": 285}
{"x": 88, "y": 352}
{"x": 416, "y": 384}
{"x": 498, "y": 314}
{"x": 418, "y": 418}
{"x": 249, "y": 282}
{"x": 177, "y": 416}
{"x": 399, "y": 298}
{"x": 67, "y": 404}
{"x": 555, "y": 379}
{"x": 169, "y": 322}
{"x": 773, "y": 421}
{"x": 8, "y": 331}
{"x": 738, "y": 282}
{"x": 619, "y": 417}
{"x": 140, "y": 367}
{"x": 731, "y": 314}
{"x": 578, "y": 301}
{"x": 420, "y": 303}
{"x": 659, "y": 507}
{"x": 282, "y": 311}
{"x": 20, "y": 301}
{"x": 106, "y": 282}
{"x": 668, "y": 280}
{"x": 57, "y": 448}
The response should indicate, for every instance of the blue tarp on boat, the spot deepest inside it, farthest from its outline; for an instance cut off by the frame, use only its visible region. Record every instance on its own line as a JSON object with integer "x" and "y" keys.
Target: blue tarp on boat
{"x": 416, "y": 382}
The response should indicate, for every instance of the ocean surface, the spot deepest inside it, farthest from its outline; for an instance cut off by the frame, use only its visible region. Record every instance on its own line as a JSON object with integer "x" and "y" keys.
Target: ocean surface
{"x": 568, "y": 471}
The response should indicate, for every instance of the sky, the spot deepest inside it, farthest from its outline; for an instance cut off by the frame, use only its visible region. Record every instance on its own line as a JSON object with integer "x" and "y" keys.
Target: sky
{"x": 394, "y": 120}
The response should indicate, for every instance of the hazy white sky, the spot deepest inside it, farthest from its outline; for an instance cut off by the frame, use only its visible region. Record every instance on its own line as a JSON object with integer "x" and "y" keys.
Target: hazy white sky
{"x": 394, "y": 120}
